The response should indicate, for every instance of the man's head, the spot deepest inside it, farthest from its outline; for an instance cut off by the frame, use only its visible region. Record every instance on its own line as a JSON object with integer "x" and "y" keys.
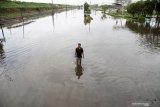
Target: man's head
{"x": 79, "y": 44}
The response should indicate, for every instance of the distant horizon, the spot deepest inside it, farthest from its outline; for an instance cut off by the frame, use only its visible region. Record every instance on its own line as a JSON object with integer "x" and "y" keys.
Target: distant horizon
{"x": 74, "y": 2}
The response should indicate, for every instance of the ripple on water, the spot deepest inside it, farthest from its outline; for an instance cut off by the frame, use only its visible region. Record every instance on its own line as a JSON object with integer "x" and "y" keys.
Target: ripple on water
{"x": 16, "y": 57}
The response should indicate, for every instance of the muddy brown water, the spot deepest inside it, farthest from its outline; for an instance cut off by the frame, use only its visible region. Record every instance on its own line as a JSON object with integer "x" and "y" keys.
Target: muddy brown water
{"x": 121, "y": 67}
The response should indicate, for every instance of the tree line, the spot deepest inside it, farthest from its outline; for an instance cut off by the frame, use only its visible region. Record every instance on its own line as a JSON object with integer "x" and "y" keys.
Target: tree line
{"x": 144, "y": 8}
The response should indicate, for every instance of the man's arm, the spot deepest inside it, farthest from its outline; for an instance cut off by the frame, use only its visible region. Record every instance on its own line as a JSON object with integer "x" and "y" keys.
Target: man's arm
{"x": 75, "y": 52}
{"x": 83, "y": 54}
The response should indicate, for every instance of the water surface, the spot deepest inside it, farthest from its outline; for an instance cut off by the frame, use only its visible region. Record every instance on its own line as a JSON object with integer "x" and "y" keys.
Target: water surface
{"x": 121, "y": 64}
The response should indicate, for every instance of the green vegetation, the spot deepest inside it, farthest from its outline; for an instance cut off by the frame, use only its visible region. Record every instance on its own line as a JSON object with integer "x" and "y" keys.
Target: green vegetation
{"x": 137, "y": 11}
{"x": 104, "y": 8}
{"x": 9, "y": 9}
{"x": 141, "y": 8}
{"x": 127, "y": 16}
{"x": 87, "y": 12}
{"x": 87, "y": 19}
{"x": 157, "y": 9}
{"x": 144, "y": 8}
{"x": 87, "y": 8}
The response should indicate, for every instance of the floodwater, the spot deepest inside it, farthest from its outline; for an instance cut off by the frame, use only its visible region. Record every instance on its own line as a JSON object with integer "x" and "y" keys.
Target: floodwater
{"x": 121, "y": 67}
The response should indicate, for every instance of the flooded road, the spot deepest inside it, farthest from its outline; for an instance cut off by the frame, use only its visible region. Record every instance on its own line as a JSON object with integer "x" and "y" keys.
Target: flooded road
{"x": 121, "y": 67}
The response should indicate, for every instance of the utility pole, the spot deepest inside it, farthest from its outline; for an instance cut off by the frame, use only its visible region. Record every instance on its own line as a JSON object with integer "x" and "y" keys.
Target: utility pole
{"x": 66, "y": 5}
{"x": 122, "y": 6}
{"x": 53, "y": 15}
{"x": 52, "y": 7}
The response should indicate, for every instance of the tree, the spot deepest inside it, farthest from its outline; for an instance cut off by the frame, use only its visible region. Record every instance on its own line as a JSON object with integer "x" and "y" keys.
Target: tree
{"x": 149, "y": 7}
{"x": 104, "y": 8}
{"x": 131, "y": 9}
{"x": 86, "y": 8}
{"x": 158, "y": 12}
{"x": 139, "y": 6}
{"x": 158, "y": 9}
{"x": 142, "y": 8}
{"x": 5, "y": 0}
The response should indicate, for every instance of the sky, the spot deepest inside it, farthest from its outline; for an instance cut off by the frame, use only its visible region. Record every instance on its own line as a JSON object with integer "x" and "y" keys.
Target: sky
{"x": 74, "y": 2}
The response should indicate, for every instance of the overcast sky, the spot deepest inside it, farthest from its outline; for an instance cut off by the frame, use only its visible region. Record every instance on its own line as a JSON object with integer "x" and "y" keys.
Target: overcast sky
{"x": 74, "y": 1}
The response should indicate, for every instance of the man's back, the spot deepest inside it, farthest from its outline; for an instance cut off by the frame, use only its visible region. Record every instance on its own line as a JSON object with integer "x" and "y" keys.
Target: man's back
{"x": 79, "y": 52}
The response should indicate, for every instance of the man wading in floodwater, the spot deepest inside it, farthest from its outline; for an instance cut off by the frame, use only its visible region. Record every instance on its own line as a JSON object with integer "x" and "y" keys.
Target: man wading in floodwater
{"x": 78, "y": 53}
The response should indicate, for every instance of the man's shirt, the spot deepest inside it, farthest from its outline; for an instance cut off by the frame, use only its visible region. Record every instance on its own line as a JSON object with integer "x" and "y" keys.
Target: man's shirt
{"x": 79, "y": 52}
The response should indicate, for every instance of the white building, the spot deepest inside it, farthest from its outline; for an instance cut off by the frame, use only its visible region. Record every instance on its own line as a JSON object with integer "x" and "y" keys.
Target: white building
{"x": 123, "y": 2}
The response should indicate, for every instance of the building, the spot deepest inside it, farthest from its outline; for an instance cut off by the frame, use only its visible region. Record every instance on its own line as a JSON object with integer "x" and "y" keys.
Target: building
{"x": 123, "y": 2}
{"x": 118, "y": 6}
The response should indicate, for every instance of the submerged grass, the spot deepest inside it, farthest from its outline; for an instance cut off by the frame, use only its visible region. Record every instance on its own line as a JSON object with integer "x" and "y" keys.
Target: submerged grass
{"x": 10, "y": 9}
{"x": 127, "y": 16}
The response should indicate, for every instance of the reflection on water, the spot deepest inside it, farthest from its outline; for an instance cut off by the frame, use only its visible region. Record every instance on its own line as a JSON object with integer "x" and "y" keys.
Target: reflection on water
{"x": 66, "y": 12}
{"x": 79, "y": 70}
{"x": 3, "y": 65}
{"x": 119, "y": 24}
{"x": 87, "y": 19}
{"x": 2, "y": 59}
{"x": 41, "y": 64}
{"x": 150, "y": 34}
{"x": 2, "y": 31}
{"x": 20, "y": 24}
{"x": 53, "y": 14}
{"x": 103, "y": 16}
{"x": 1, "y": 54}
